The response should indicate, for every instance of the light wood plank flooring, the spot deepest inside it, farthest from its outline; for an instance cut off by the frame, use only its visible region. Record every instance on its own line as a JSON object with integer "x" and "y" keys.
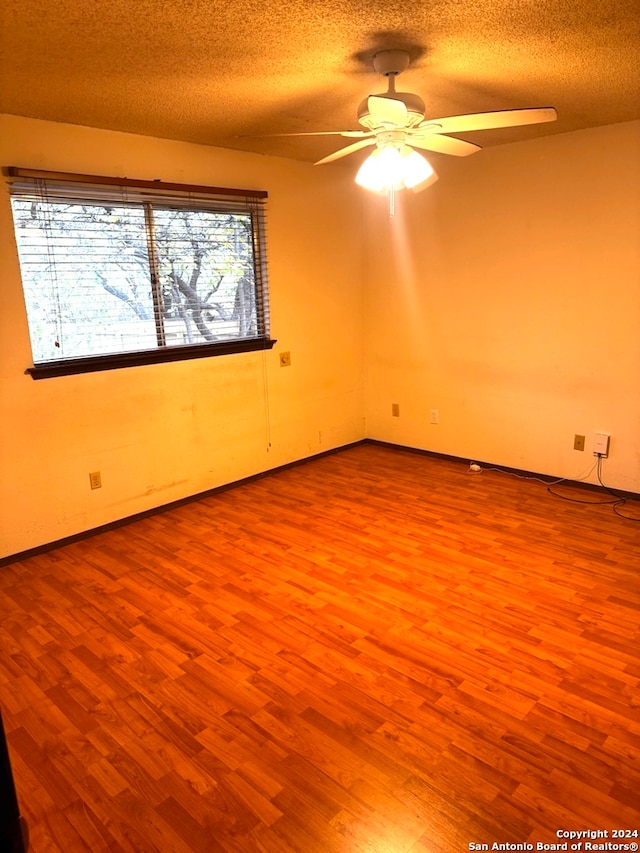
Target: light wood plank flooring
{"x": 373, "y": 652}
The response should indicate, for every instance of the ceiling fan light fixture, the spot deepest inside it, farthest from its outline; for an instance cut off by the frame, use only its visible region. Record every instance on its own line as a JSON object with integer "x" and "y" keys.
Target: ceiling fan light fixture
{"x": 417, "y": 171}
{"x": 380, "y": 171}
{"x": 390, "y": 167}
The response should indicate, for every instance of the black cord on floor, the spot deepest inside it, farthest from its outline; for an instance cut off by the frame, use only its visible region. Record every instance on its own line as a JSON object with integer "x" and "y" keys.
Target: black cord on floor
{"x": 620, "y": 499}
{"x": 615, "y": 502}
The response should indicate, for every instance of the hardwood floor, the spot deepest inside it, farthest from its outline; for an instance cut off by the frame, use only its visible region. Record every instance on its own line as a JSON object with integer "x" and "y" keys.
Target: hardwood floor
{"x": 373, "y": 652}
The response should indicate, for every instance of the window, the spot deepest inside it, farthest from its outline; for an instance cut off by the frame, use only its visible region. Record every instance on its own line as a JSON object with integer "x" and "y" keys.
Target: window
{"x": 121, "y": 272}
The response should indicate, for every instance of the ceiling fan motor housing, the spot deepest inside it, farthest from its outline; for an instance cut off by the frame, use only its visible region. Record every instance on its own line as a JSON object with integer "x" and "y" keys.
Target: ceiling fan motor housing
{"x": 414, "y": 104}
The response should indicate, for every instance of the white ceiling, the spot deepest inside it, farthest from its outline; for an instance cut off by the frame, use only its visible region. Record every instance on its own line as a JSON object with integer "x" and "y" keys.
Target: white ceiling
{"x": 228, "y": 74}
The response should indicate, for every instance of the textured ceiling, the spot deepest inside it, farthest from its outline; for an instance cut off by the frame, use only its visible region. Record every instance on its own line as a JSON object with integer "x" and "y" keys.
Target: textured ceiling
{"x": 228, "y": 74}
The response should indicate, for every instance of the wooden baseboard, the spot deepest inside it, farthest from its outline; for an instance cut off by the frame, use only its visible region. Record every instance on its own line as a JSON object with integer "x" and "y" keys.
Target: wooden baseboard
{"x": 112, "y": 525}
{"x": 520, "y": 472}
{"x": 129, "y": 519}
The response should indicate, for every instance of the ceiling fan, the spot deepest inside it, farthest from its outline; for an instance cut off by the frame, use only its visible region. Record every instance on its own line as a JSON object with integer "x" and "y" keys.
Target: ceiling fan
{"x": 395, "y": 123}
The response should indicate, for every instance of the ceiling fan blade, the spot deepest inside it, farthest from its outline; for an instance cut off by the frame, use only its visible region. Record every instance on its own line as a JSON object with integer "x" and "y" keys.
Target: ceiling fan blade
{"x": 342, "y": 152}
{"x": 387, "y": 111}
{"x": 443, "y": 144}
{"x": 357, "y": 134}
{"x": 488, "y": 121}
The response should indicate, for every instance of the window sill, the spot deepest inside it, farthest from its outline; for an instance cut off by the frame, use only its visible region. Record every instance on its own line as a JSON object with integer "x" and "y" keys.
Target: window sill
{"x": 70, "y": 366}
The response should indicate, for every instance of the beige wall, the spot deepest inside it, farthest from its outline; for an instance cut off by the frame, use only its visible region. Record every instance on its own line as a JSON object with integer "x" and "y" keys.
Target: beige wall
{"x": 507, "y": 296}
{"x": 166, "y": 431}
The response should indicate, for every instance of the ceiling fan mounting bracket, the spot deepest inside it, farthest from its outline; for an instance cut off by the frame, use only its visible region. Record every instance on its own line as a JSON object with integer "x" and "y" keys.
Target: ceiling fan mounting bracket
{"x": 391, "y": 62}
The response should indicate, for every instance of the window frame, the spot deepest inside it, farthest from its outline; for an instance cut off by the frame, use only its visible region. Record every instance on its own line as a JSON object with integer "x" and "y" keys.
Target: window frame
{"x": 22, "y": 181}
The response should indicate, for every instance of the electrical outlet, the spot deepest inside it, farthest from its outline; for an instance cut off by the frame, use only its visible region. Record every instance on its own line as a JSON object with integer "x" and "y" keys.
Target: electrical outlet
{"x": 395, "y": 410}
{"x": 285, "y": 359}
{"x": 578, "y": 442}
{"x": 434, "y": 416}
{"x": 95, "y": 480}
